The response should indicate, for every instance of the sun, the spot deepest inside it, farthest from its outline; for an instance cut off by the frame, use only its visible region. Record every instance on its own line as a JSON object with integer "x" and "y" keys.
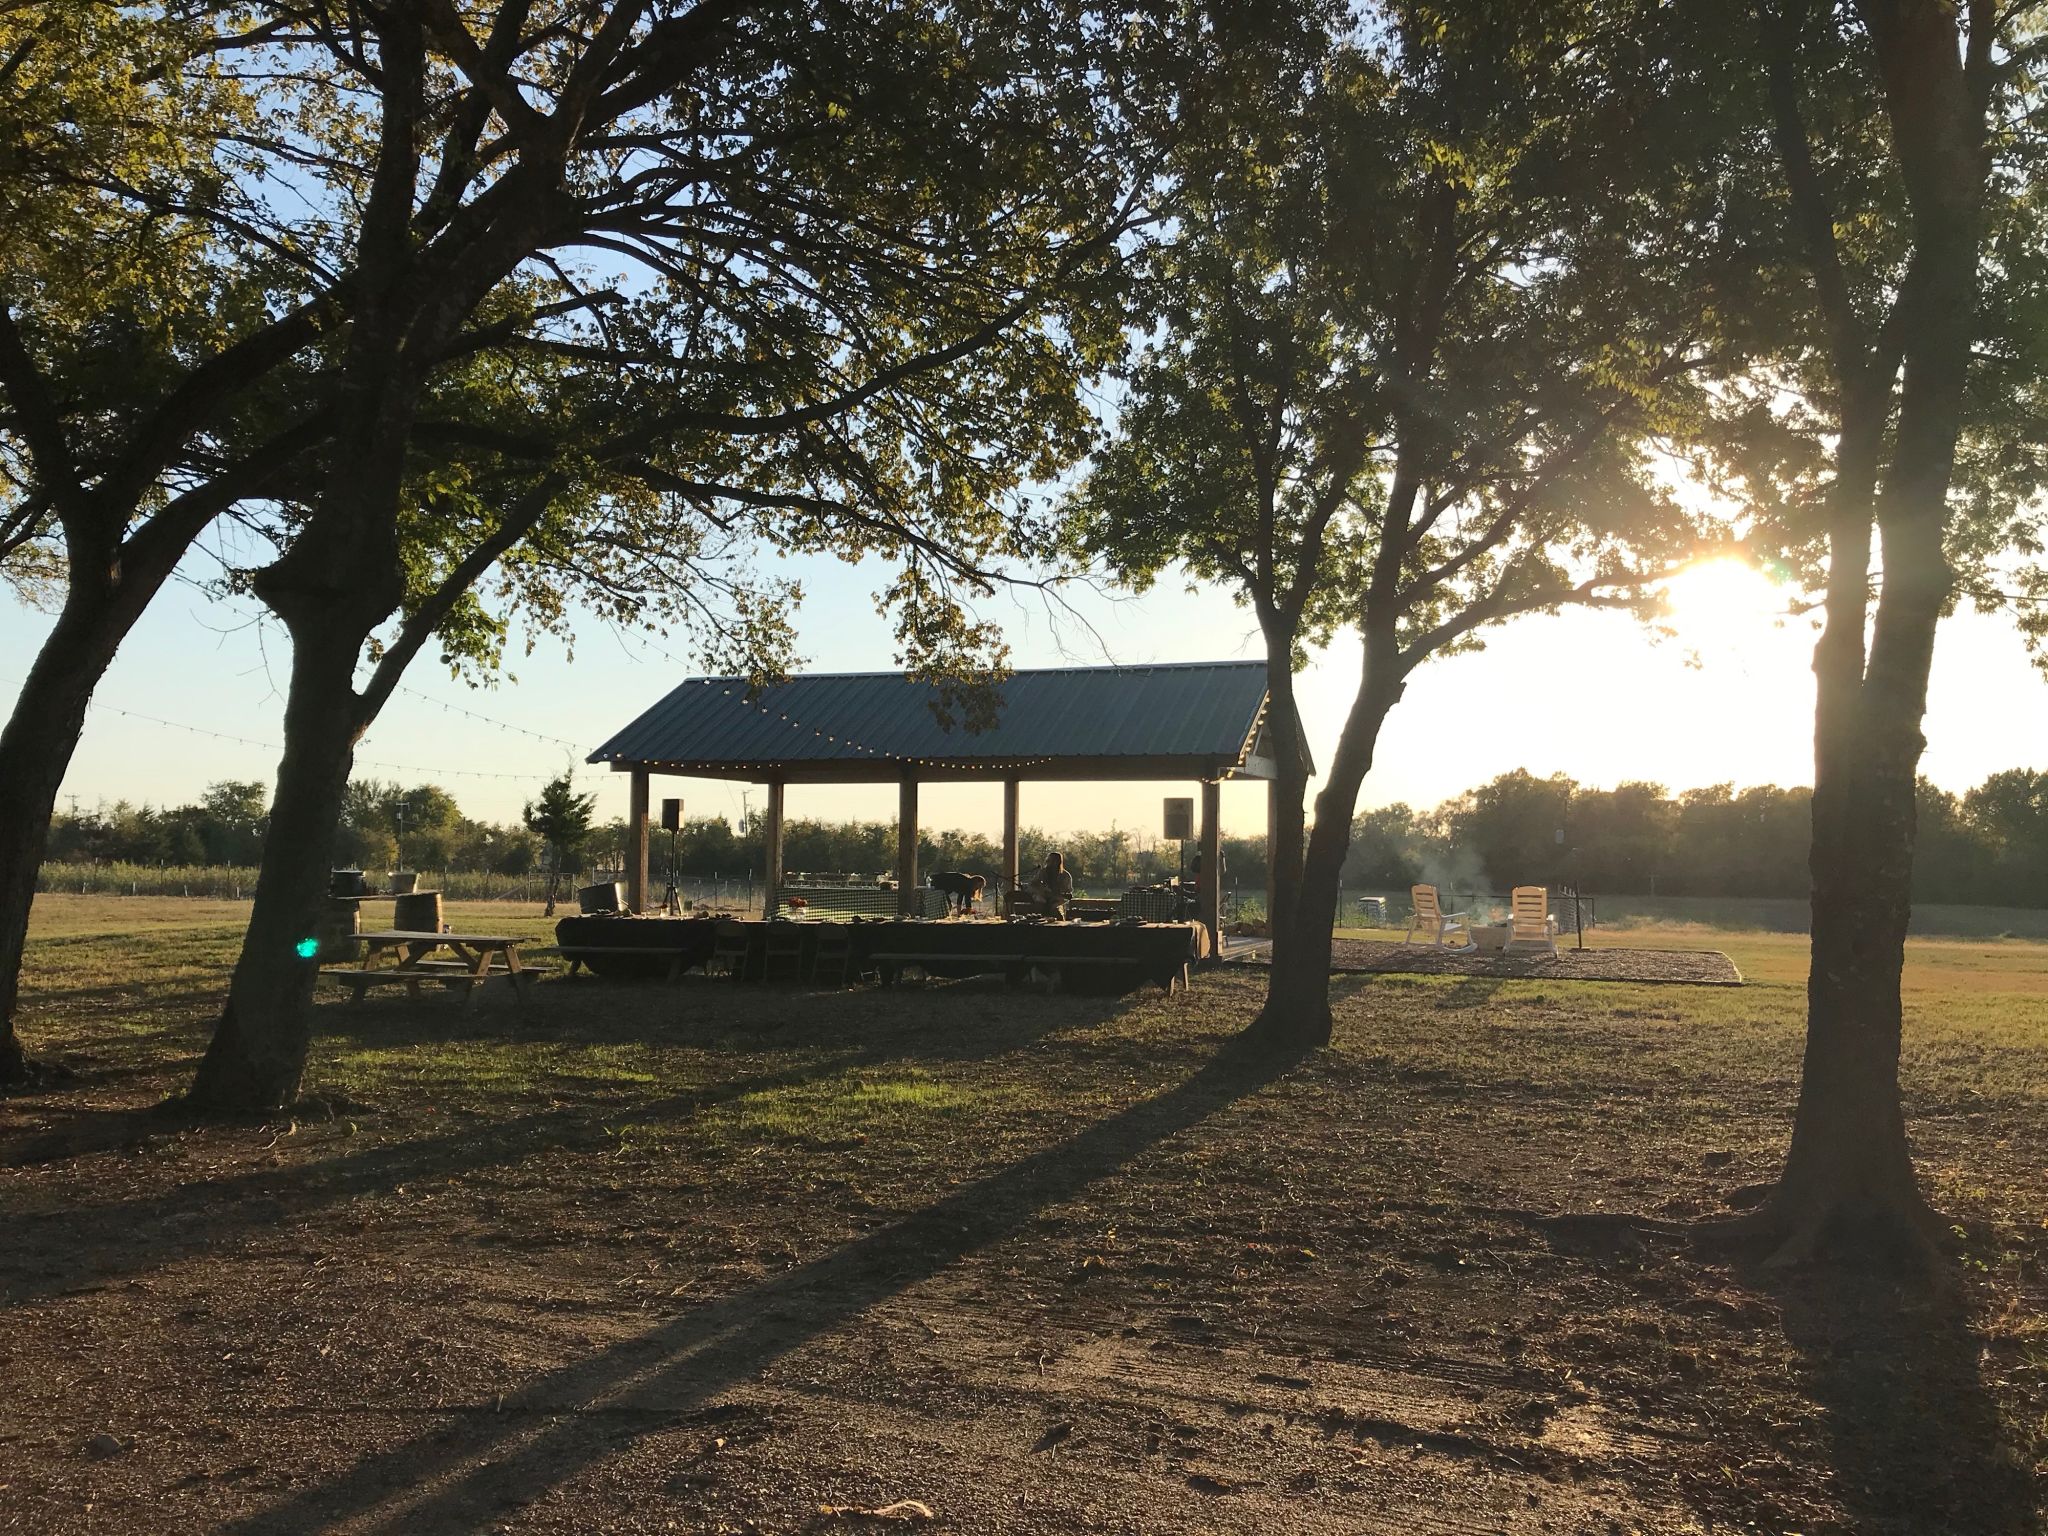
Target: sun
{"x": 1723, "y": 603}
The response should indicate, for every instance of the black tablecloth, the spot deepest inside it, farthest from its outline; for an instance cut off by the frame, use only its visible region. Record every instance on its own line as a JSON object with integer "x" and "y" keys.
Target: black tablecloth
{"x": 691, "y": 937}
{"x": 968, "y": 947}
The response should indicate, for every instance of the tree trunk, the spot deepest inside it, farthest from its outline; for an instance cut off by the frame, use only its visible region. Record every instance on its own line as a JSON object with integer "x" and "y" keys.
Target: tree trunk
{"x": 339, "y": 580}
{"x": 35, "y": 751}
{"x": 1849, "y": 1163}
{"x": 1850, "y": 1168}
{"x": 1289, "y": 791}
{"x": 1297, "y": 1008}
{"x": 258, "y": 1052}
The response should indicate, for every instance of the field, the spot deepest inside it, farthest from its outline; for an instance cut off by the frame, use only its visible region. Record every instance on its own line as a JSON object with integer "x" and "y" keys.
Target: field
{"x": 716, "y": 1259}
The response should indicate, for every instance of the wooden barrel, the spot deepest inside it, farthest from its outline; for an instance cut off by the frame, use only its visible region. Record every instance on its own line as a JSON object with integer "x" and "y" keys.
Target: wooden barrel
{"x": 418, "y": 912}
{"x": 340, "y": 922}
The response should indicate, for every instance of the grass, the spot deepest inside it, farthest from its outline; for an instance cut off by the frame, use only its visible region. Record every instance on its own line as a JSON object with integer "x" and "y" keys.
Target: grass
{"x": 716, "y": 1257}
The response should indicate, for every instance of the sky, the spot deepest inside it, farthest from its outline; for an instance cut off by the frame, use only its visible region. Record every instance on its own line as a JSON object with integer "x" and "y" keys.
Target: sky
{"x": 1728, "y": 697}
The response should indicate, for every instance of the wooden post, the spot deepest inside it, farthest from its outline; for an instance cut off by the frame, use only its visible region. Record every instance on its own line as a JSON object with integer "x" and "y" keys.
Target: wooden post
{"x": 1012, "y": 797}
{"x": 636, "y": 845}
{"x": 908, "y": 902}
{"x": 774, "y": 849}
{"x": 1209, "y": 889}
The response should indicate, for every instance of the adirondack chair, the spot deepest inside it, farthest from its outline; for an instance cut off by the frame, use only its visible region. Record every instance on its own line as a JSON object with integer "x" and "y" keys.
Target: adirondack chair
{"x": 1529, "y": 922}
{"x": 1435, "y": 924}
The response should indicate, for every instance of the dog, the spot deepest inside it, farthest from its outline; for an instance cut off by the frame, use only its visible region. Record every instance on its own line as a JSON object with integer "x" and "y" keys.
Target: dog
{"x": 962, "y": 891}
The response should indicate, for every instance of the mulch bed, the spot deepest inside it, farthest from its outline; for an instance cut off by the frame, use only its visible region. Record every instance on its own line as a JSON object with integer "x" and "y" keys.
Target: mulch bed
{"x": 1685, "y": 967}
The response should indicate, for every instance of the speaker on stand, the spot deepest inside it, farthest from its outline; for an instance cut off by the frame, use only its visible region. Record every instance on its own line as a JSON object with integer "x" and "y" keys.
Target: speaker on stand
{"x": 672, "y": 821}
{"x": 1179, "y": 828}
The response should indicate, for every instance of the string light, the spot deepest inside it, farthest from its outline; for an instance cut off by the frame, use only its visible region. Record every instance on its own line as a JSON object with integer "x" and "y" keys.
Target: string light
{"x": 503, "y": 725}
{"x": 271, "y": 746}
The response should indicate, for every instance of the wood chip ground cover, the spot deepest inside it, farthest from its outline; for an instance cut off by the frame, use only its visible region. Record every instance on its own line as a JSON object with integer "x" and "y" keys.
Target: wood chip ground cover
{"x": 707, "y": 1258}
{"x": 1696, "y": 967}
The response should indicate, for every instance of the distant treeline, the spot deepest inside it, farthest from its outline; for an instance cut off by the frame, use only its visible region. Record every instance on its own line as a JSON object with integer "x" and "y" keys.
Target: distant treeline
{"x": 1987, "y": 847}
{"x": 385, "y": 827}
{"x": 1100, "y": 860}
{"x": 226, "y": 827}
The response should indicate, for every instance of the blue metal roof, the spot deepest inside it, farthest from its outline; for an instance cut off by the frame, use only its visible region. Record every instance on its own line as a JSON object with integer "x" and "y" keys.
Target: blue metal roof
{"x": 875, "y": 722}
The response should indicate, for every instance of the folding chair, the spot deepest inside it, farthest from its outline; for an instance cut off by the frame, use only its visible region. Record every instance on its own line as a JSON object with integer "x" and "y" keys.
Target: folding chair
{"x": 729, "y": 952}
{"x": 833, "y": 955}
{"x": 785, "y": 947}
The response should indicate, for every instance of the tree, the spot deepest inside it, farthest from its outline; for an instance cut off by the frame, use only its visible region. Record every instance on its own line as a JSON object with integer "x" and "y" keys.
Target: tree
{"x": 1512, "y": 824}
{"x": 2009, "y": 814}
{"x": 1387, "y": 848}
{"x": 850, "y": 231}
{"x": 1886, "y": 170}
{"x": 1412, "y": 333}
{"x": 136, "y": 329}
{"x": 562, "y": 819}
{"x": 235, "y": 813}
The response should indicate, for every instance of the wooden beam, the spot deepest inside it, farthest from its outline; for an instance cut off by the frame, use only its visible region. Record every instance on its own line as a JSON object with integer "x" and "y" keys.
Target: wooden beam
{"x": 1012, "y": 796}
{"x": 773, "y": 852}
{"x": 908, "y": 903}
{"x": 1209, "y": 888}
{"x": 636, "y": 845}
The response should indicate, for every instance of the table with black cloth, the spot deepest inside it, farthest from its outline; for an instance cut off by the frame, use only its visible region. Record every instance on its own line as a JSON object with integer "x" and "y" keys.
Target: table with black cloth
{"x": 624, "y": 948}
{"x": 1116, "y": 952}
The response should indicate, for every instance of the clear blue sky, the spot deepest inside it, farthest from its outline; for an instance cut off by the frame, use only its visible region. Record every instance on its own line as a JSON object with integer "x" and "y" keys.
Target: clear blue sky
{"x": 1592, "y": 695}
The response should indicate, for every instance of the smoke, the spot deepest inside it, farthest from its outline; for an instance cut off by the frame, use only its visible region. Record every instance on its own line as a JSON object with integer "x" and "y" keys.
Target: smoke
{"x": 1460, "y": 880}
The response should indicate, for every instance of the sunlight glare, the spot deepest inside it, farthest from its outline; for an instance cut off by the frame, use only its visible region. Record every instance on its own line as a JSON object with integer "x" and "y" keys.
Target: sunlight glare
{"x": 1724, "y": 604}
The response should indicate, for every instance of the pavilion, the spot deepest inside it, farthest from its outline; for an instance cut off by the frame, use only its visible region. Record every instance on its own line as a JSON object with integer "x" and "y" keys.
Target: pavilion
{"x": 1198, "y": 721}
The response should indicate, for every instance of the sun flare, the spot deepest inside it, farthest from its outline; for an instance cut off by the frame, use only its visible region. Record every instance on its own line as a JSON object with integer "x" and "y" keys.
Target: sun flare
{"x": 1723, "y": 603}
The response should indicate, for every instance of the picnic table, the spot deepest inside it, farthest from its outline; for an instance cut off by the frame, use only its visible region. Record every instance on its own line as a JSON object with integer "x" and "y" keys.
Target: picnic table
{"x": 478, "y": 958}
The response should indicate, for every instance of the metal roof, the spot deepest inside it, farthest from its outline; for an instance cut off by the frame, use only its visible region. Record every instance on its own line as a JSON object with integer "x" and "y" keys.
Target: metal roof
{"x": 1192, "y": 719}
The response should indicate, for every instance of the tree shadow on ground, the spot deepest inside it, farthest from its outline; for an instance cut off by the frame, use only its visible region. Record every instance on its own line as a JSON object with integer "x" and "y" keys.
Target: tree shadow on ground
{"x": 87, "y": 1246}
{"x": 941, "y": 1021}
{"x": 1889, "y": 1356}
{"x": 548, "y": 1432}
{"x": 1470, "y": 992}
{"x": 136, "y": 994}
{"x": 1916, "y": 1440}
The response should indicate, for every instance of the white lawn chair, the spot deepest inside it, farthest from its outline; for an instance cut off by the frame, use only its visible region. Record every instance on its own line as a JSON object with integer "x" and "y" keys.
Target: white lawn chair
{"x": 1530, "y": 925}
{"x": 1435, "y": 924}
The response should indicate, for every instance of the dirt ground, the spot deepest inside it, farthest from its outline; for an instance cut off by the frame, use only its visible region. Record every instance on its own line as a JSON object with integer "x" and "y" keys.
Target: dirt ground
{"x": 706, "y": 1258}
